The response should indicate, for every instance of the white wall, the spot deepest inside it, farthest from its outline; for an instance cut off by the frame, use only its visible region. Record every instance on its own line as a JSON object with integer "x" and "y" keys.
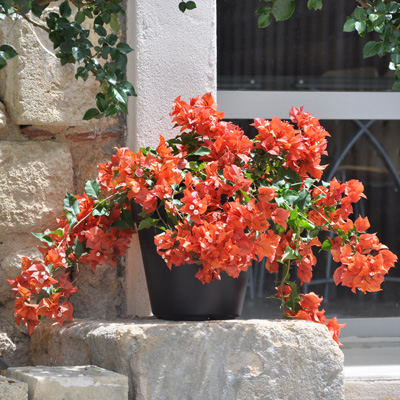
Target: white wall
{"x": 174, "y": 54}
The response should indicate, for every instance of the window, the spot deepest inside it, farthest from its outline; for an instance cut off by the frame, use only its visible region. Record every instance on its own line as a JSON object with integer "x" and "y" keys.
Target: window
{"x": 309, "y": 61}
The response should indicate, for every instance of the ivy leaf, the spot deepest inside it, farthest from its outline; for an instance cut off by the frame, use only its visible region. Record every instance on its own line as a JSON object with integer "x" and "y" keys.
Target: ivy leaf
{"x": 114, "y": 23}
{"x": 79, "y": 54}
{"x": 128, "y": 88}
{"x": 65, "y": 9}
{"x": 120, "y": 94}
{"x": 80, "y": 17}
{"x": 92, "y": 189}
{"x": 90, "y": 114}
{"x": 124, "y": 48}
{"x": 7, "y": 51}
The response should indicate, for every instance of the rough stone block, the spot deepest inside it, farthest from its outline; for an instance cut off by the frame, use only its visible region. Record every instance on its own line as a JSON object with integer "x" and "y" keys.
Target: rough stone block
{"x": 33, "y": 182}
{"x": 240, "y": 360}
{"x": 35, "y": 87}
{"x": 71, "y": 383}
{"x": 12, "y": 389}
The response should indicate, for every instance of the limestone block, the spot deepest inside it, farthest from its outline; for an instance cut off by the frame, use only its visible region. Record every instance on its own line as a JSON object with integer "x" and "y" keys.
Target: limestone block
{"x": 241, "y": 360}
{"x": 35, "y": 87}
{"x": 11, "y": 389}
{"x": 33, "y": 182}
{"x": 70, "y": 383}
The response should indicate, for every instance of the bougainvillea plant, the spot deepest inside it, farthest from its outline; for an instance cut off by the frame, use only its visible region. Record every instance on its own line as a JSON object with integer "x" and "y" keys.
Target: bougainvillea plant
{"x": 226, "y": 200}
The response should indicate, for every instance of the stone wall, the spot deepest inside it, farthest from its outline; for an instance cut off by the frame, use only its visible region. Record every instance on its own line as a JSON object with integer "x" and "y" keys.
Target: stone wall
{"x": 45, "y": 149}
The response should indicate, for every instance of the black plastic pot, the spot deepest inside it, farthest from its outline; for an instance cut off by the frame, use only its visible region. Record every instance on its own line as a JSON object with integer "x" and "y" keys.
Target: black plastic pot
{"x": 177, "y": 295}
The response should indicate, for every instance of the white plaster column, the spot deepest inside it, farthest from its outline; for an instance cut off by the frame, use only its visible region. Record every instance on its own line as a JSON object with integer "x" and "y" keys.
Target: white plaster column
{"x": 174, "y": 55}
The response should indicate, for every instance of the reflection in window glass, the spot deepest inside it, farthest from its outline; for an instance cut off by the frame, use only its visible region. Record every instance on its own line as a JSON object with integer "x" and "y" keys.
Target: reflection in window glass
{"x": 309, "y": 51}
{"x": 373, "y": 159}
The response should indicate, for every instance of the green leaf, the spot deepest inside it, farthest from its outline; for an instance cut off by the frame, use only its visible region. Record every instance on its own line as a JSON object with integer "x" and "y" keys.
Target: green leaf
{"x": 119, "y": 94}
{"x": 111, "y": 110}
{"x": 77, "y": 248}
{"x": 90, "y": 114}
{"x": 326, "y": 245}
{"x": 65, "y": 9}
{"x": 7, "y": 51}
{"x": 92, "y": 189}
{"x": 190, "y": 5}
{"x": 80, "y": 17}
{"x": 79, "y": 54}
{"x": 264, "y": 20}
{"x": 359, "y": 13}
{"x": 315, "y": 4}
{"x": 3, "y": 61}
{"x": 393, "y": 7}
{"x": 128, "y": 88}
{"x": 396, "y": 85}
{"x": 395, "y": 58}
{"x": 360, "y": 27}
{"x": 303, "y": 200}
{"x": 44, "y": 238}
{"x": 182, "y": 6}
{"x": 202, "y": 151}
{"x": 114, "y": 23}
{"x": 283, "y": 9}
{"x": 147, "y": 223}
{"x": 71, "y": 204}
{"x": 349, "y": 25}
{"x": 370, "y": 49}
{"x": 124, "y": 48}
{"x": 100, "y": 30}
{"x": 289, "y": 254}
{"x": 265, "y": 9}
{"x": 121, "y": 224}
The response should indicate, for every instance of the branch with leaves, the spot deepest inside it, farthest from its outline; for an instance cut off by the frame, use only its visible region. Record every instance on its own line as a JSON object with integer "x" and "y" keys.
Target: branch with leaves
{"x": 106, "y": 60}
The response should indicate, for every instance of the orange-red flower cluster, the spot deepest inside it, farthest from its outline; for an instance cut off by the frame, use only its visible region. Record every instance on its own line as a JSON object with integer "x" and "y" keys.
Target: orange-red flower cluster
{"x": 309, "y": 311}
{"x": 222, "y": 200}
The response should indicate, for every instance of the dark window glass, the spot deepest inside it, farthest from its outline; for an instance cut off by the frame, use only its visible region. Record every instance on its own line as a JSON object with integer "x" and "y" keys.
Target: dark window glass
{"x": 374, "y": 159}
{"x": 309, "y": 51}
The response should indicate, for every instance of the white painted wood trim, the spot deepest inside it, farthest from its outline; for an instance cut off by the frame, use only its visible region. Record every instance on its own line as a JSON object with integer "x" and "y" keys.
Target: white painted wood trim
{"x": 242, "y": 104}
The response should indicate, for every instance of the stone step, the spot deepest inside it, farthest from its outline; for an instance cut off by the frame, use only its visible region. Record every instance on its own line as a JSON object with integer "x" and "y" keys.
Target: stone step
{"x": 380, "y": 382}
{"x": 13, "y": 389}
{"x": 372, "y": 368}
{"x": 69, "y": 383}
{"x": 221, "y": 360}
